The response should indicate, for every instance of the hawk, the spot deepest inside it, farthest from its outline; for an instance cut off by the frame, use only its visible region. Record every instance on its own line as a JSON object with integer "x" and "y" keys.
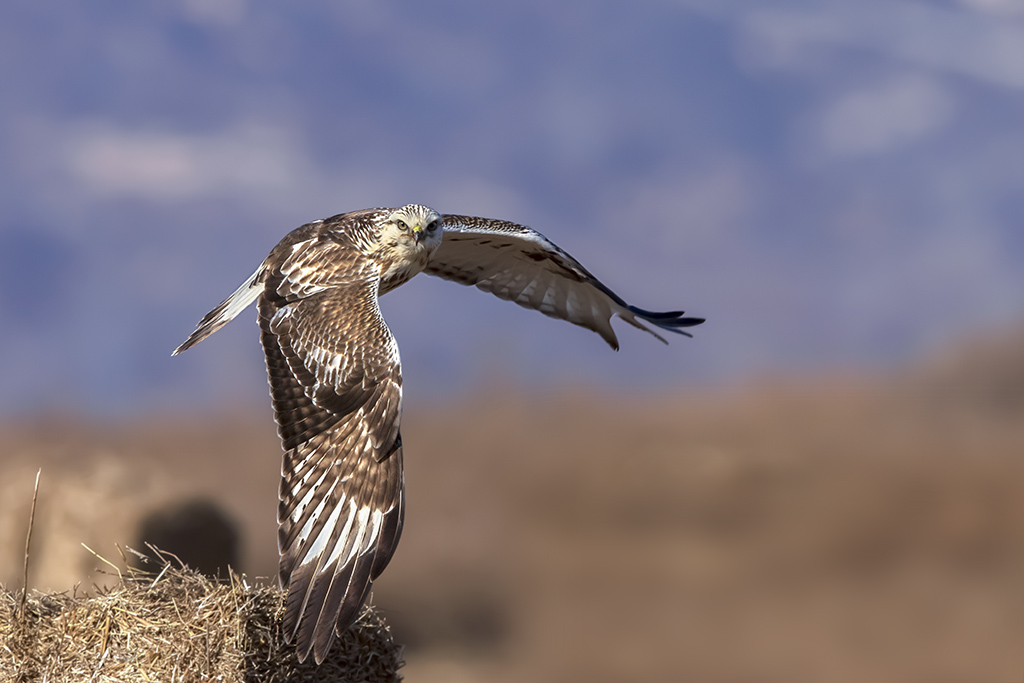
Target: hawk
{"x": 336, "y": 381}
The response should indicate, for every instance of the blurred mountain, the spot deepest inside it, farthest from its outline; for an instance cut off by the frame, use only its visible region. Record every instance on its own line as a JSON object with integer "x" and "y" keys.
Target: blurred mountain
{"x": 985, "y": 377}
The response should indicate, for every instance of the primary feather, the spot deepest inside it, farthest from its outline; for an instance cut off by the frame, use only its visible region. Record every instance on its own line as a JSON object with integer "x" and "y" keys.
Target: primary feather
{"x": 516, "y": 263}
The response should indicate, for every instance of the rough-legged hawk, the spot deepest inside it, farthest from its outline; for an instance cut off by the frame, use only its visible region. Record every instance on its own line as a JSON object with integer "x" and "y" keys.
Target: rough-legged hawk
{"x": 336, "y": 380}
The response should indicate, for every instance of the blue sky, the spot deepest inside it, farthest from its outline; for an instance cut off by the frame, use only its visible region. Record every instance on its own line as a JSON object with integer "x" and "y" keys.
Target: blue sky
{"x": 830, "y": 184}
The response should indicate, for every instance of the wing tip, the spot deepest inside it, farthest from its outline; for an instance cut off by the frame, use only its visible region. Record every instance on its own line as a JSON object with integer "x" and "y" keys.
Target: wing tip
{"x": 224, "y": 312}
{"x": 670, "y": 321}
{"x": 184, "y": 346}
{"x": 666, "y": 319}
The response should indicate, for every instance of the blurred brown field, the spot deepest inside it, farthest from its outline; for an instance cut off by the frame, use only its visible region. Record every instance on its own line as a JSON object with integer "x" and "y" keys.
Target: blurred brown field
{"x": 835, "y": 528}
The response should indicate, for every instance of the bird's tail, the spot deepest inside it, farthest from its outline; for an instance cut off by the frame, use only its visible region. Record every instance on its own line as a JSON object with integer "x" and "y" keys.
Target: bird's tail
{"x": 226, "y": 310}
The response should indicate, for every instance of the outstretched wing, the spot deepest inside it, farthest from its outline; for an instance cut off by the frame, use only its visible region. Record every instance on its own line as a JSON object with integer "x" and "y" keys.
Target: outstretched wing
{"x": 335, "y": 381}
{"x": 226, "y": 310}
{"x": 516, "y": 263}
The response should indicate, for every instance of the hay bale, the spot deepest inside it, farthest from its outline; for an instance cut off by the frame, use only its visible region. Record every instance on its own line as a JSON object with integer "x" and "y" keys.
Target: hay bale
{"x": 177, "y": 626}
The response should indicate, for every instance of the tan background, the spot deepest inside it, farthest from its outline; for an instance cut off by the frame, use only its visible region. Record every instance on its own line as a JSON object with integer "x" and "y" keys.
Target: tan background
{"x": 832, "y": 528}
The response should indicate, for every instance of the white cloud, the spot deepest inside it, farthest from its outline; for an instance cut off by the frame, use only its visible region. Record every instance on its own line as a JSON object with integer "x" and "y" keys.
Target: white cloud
{"x": 698, "y": 210}
{"x": 215, "y": 12}
{"x": 877, "y": 119}
{"x": 970, "y": 43}
{"x": 476, "y": 196}
{"x": 996, "y": 7}
{"x": 170, "y": 166}
{"x": 245, "y": 164}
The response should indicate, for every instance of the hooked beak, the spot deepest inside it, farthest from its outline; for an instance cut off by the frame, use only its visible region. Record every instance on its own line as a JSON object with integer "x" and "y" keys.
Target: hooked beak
{"x": 417, "y": 232}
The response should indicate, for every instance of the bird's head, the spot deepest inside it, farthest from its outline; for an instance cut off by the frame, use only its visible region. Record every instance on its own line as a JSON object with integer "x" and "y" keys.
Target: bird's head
{"x": 409, "y": 236}
{"x": 415, "y": 228}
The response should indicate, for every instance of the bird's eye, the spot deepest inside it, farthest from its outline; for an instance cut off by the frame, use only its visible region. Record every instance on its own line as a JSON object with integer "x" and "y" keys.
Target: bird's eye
{"x": 402, "y": 225}
{"x": 434, "y": 225}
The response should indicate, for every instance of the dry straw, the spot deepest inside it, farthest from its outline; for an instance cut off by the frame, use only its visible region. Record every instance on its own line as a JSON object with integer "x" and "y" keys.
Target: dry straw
{"x": 176, "y": 625}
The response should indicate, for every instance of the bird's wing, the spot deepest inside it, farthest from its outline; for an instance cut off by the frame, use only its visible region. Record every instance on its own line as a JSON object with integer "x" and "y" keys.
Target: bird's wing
{"x": 226, "y": 310}
{"x": 296, "y": 245}
{"x": 335, "y": 381}
{"x": 516, "y": 263}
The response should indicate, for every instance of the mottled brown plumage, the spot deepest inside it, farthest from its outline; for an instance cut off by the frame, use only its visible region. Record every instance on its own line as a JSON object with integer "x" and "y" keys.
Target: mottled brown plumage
{"x": 336, "y": 381}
